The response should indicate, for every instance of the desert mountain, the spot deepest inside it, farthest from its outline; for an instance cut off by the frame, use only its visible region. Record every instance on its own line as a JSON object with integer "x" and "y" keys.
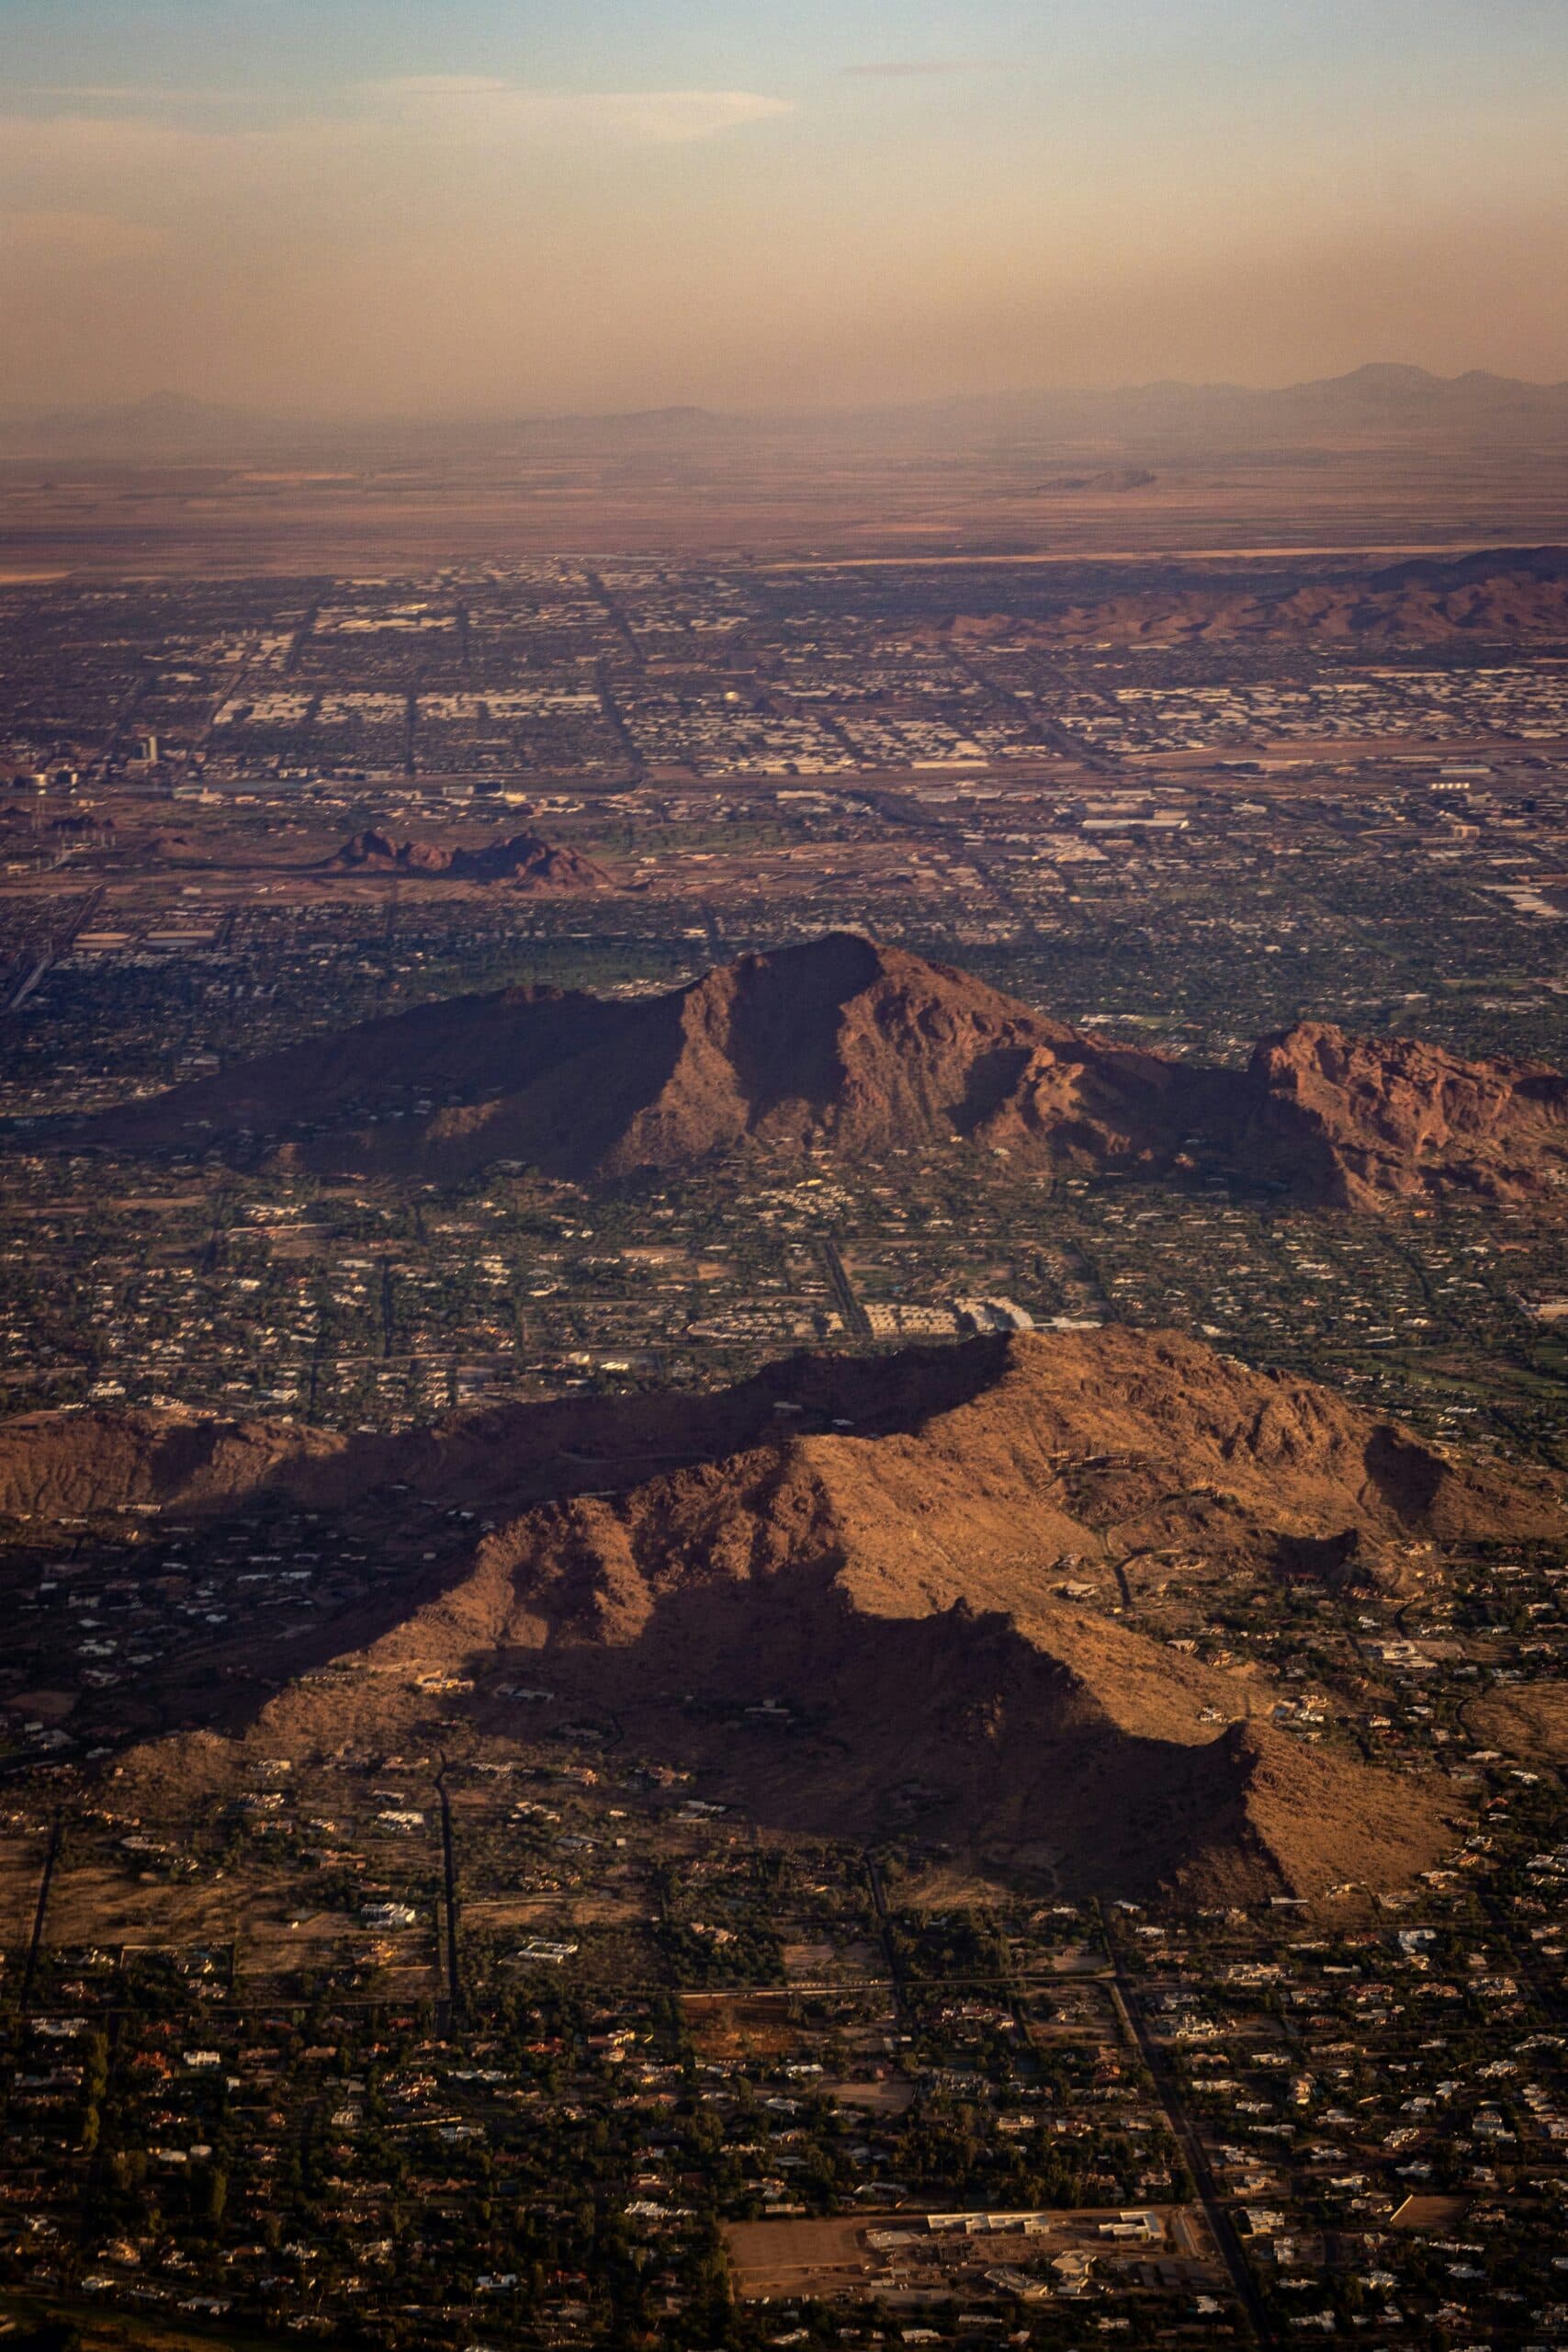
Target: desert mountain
{"x": 840, "y": 1043}
{"x": 167, "y": 425}
{"x": 1502, "y": 596}
{"x": 1358, "y": 1120}
{"x": 525, "y": 861}
{"x": 848, "y": 1046}
{"x": 905, "y": 1594}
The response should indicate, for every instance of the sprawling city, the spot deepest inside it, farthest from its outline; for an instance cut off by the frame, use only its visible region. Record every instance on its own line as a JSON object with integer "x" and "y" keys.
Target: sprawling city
{"x": 783, "y": 1179}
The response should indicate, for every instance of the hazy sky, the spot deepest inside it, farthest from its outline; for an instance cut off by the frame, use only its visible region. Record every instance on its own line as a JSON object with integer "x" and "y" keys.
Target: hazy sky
{"x": 543, "y": 204}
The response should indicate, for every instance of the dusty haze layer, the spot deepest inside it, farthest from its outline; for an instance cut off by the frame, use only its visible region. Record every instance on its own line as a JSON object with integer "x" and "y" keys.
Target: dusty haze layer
{"x": 471, "y": 208}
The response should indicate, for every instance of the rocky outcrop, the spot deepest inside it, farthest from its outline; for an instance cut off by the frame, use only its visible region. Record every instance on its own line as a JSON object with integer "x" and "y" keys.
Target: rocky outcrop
{"x": 525, "y": 861}
{"x": 1358, "y": 1121}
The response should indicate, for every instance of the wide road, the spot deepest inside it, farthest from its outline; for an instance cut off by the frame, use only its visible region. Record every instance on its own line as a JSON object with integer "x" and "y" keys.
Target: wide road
{"x": 62, "y": 945}
{"x": 856, "y": 1320}
{"x": 1221, "y": 2228}
{"x": 452, "y": 2006}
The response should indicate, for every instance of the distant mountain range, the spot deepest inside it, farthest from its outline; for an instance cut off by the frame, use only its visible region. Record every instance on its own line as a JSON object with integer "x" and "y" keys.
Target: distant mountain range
{"x": 171, "y": 427}
{"x": 845, "y": 1045}
{"x": 168, "y": 425}
{"x": 1381, "y": 399}
{"x": 1515, "y": 595}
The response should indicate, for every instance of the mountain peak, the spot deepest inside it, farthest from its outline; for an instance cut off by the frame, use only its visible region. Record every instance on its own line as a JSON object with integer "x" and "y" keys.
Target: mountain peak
{"x": 1389, "y": 376}
{"x": 845, "y": 1045}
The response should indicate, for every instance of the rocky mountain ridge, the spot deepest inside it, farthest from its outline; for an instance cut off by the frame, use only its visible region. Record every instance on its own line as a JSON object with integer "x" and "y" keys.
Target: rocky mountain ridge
{"x": 928, "y": 1601}
{"x": 845, "y": 1045}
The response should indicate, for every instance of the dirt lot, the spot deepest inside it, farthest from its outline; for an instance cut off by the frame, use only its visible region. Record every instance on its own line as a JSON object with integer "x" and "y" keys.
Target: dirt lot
{"x": 741, "y": 2025}
{"x": 92, "y": 1903}
{"x": 817, "y": 2257}
{"x": 891, "y": 2096}
{"x": 798, "y": 2257}
{"x": 811, "y": 1961}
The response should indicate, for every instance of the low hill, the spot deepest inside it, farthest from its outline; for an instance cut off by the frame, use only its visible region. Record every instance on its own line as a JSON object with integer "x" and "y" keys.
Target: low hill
{"x": 851, "y": 1046}
{"x": 525, "y": 861}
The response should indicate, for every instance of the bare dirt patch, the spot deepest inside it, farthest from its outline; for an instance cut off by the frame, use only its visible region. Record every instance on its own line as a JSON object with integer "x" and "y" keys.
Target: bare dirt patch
{"x": 739, "y": 2024}
{"x": 890, "y": 2095}
{"x": 21, "y": 1871}
{"x": 1531, "y": 1723}
{"x": 93, "y": 1904}
{"x": 791, "y": 2257}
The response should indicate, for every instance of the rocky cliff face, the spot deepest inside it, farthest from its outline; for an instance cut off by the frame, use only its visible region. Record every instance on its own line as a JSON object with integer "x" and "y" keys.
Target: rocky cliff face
{"x": 1354, "y": 1121}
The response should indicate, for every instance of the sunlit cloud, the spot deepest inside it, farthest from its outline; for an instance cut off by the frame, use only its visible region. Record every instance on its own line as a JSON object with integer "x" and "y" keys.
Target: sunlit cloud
{"x": 436, "y": 85}
{"x": 911, "y": 69}
{"x": 483, "y": 106}
{"x": 129, "y": 94}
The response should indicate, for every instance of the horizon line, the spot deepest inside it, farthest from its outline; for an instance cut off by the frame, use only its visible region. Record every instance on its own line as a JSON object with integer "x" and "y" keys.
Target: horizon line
{"x": 173, "y": 398}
